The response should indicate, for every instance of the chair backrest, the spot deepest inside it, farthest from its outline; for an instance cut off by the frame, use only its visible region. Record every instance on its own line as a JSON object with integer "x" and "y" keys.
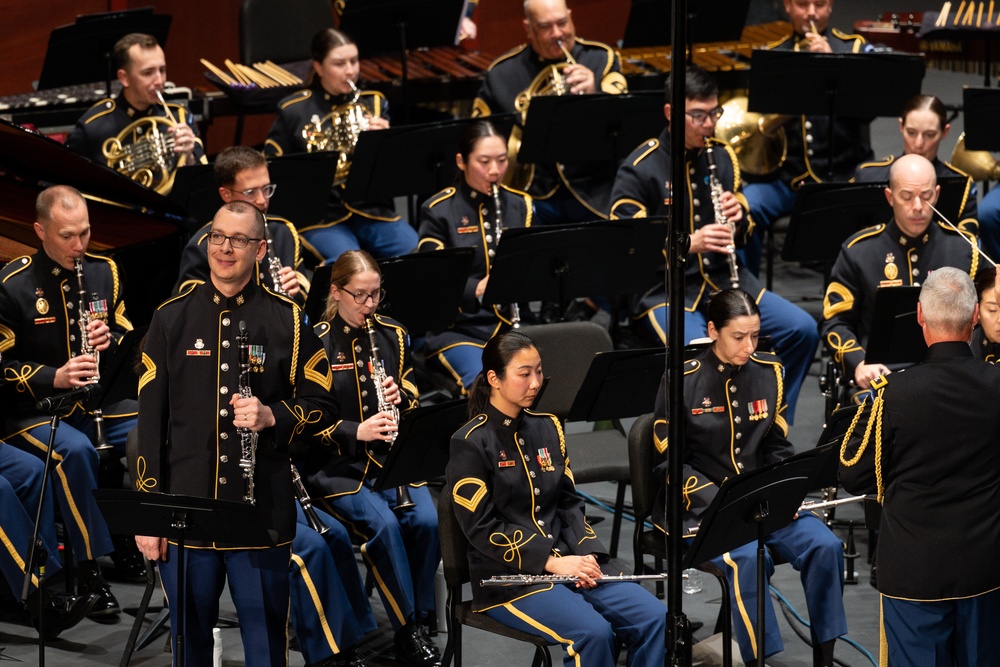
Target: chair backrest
{"x": 640, "y": 464}
{"x": 281, "y": 31}
{"x": 567, "y": 348}
{"x": 454, "y": 546}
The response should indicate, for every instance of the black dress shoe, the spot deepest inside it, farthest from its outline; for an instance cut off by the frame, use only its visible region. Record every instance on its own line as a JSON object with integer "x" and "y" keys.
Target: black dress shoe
{"x": 106, "y": 607}
{"x": 60, "y": 610}
{"x": 414, "y": 648}
{"x": 348, "y": 658}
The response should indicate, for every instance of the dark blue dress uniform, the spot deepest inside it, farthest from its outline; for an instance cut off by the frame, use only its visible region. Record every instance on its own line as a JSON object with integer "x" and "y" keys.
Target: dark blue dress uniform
{"x": 287, "y": 247}
{"x": 642, "y": 189}
{"x": 808, "y": 157}
{"x": 371, "y": 226}
{"x": 40, "y": 332}
{"x": 876, "y": 257}
{"x": 515, "y": 499}
{"x": 110, "y": 116}
{"x": 983, "y": 348}
{"x": 734, "y": 423}
{"x": 188, "y": 444}
{"x": 460, "y": 217}
{"x": 964, "y": 217}
{"x": 586, "y": 186}
{"x": 939, "y": 487}
{"x": 401, "y": 550}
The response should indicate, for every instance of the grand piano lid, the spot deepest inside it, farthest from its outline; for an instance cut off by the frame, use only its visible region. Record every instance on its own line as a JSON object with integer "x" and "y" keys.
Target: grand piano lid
{"x": 35, "y": 158}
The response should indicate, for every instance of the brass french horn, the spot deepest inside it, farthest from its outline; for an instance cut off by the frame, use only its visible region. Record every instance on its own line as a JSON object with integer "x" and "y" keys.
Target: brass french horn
{"x": 980, "y": 165}
{"x": 758, "y": 140}
{"x": 144, "y": 151}
{"x": 338, "y": 131}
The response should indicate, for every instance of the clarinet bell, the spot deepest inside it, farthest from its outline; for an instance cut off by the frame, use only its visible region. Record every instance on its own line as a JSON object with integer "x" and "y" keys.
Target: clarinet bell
{"x": 403, "y": 500}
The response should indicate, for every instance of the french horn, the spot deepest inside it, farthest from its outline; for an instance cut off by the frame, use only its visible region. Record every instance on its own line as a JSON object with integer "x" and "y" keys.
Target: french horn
{"x": 144, "y": 151}
{"x": 758, "y": 140}
{"x": 980, "y": 165}
{"x": 338, "y": 131}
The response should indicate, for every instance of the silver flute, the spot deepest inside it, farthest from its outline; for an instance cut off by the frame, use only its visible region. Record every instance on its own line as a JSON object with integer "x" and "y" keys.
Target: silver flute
{"x": 531, "y": 579}
{"x": 515, "y": 310}
{"x": 721, "y": 218}
{"x": 248, "y": 437}
{"x": 83, "y": 318}
{"x": 273, "y": 263}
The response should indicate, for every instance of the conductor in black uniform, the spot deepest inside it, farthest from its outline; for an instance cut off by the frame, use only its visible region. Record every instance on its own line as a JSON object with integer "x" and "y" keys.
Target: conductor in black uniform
{"x": 142, "y": 71}
{"x": 562, "y": 193}
{"x": 197, "y": 415}
{"x": 939, "y": 487}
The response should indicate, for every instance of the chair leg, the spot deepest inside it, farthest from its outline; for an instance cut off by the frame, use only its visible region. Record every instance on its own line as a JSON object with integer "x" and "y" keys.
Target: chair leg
{"x": 453, "y": 648}
{"x": 616, "y": 522}
{"x": 542, "y": 657}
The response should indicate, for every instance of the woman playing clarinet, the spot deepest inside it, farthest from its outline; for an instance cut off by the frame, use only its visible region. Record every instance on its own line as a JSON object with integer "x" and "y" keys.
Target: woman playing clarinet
{"x": 515, "y": 500}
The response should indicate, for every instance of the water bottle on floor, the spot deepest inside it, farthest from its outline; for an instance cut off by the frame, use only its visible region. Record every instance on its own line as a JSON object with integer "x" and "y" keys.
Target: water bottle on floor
{"x": 691, "y": 581}
{"x": 217, "y": 650}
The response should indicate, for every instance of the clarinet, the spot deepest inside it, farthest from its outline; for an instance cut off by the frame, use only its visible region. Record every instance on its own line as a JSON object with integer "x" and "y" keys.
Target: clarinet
{"x": 83, "y": 318}
{"x": 515, "y": 310}
{"x": 377, "y": 370}
{"x": 273, "y": 263}
{"x": 531, "y": 579}
{"x": 248, "y": 438}
{"x": 307, "y": 506}
{"x": 720, "y": 217}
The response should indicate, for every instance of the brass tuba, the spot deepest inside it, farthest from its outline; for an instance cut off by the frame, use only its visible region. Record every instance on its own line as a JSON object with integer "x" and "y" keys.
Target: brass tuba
{"x": 144, "y": 151}
{"x": 758, "y": 140}
{"x": 338, "y": 131}
{"x": 980, "y": 165}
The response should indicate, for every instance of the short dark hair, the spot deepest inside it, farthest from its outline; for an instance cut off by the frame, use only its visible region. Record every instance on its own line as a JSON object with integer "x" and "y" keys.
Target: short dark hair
{"x": 928, "y": 103}
{"x": 729, "y": 304}
{"x": 985, "y": 280}
{"x": 240, "y": 207}
{"x": 497, "y": 353}
{"x": 65, "y": 196}
{"x": 472, "y": 133}
{"x": 122, "y": 46}
{"x": 698, "y": 84}
{"x": 231, "y": 161}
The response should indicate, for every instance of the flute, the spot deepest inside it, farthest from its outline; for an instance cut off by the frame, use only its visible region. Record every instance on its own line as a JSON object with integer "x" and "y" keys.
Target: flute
{"x": 807, "y": 506}
{"x": 531, "y": 579}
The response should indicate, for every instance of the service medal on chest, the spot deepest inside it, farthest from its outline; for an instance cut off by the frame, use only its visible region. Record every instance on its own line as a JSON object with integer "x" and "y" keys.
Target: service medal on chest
{"x": 891, "y": 270}
{"x": 42, "y": 306}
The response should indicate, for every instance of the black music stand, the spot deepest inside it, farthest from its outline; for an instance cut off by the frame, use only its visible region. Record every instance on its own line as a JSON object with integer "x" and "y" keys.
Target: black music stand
{"x": 980, "y": 109}
{"x": 835, "y": 85}
{"x": 409, "y": 160}
{"x": 180, "y": 518}
{"x": 196, "y": 191}
{"x": 612, "y": 125}
{"x": 418, "y": 23}
{"x": 650, "y": 22}
{"x": 619, "y": 384}
{"x": 421, "y": 449}
{"x": 83, "y": 52}
{"x": 826, "y": 214}
{"x": 556, "y": 263}
{"x": 303, "y": 181}
{"x": 895, "y": 337}
{"x": 405, "y": 281}
{"x": 119, "y": 380}
{"x": 746, "y": 509}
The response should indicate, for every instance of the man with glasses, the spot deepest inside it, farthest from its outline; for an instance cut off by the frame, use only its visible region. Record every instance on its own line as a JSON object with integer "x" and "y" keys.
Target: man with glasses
{"x": 563, "y": 193}
{"x": 642, "y": 188}
{"x": 194, "y": 419}
{"x": 241, "y": 174}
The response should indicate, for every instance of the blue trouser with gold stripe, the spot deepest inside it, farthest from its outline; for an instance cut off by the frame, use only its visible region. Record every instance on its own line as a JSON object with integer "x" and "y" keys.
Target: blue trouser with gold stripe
{"x": 258, "y": 584}
{"x": 330, "y": 611}
{"x": 402, "y": 550}
{"x": 809, "y": 546}
{"x": 588, "y": 623}
{"x": 20, "y": 488}
{"x": 74, "y": 477}
{"x": 463, "y": 362}
{"x": 948, "y": 632}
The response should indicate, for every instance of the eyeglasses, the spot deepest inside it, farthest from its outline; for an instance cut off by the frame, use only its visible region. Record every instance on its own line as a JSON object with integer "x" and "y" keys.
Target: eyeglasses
{"x": 698, "y": 117}
{"x": 238, "y": 241}
{"x": 361, "y": 297}
{"x": 267, "y": 191}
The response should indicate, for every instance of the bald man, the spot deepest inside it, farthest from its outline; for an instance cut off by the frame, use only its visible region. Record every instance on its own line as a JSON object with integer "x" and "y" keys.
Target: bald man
{"x": 902, "y": 251}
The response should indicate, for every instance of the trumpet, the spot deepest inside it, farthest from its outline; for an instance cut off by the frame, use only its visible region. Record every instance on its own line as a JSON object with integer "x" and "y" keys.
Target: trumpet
{"x": 378, "y": 375}
{"x": 307, "y": 507}
{"x": 83, "y": 318}
{"x": 248, "y": 437}
{"x": 515, "y": 310}
{"x": 721, "y": 218}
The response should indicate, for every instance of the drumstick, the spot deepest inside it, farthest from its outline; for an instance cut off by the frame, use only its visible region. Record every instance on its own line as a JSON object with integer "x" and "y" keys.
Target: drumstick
{"x": 965, "y": 238}
{"x": 285, "y": 74}
{"x": 226, "y": 79}
{"x": 277, "y": 76}
{"x": 234, "y": 68}
{"x": 958, "y": 14}
{"x": 942, "y": 18}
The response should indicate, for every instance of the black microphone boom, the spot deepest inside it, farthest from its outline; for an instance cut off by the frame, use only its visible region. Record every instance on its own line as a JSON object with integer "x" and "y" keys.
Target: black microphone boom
{"x": 60, "y": 402}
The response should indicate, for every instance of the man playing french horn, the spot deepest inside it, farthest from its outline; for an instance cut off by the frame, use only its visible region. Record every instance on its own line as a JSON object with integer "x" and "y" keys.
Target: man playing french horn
{"x": 109, "y": 131}
{"x": 642, "y": 189}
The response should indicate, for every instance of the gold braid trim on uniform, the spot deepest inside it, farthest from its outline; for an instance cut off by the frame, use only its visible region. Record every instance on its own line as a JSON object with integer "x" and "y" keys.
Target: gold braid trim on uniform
{"x": 614, "y": 84}
{"x": 472, "y": 502}
{"x": 142, "y": 483}
{"x": 661, "y": 445}
{"x": 877, "y": 406}
{"x": 691, "y": 486}
{"x": 562, "y": 448}
{"x": 639, "y": 213}
{"x": 7, "y": 338}
{"x": 150, "y": 373}
{"x": 21, "y": 378}
{"x": 295, "y": 348}
{"x": 588, "y": 533}
{"x": 778, "y": 419}
{"x": 841, "y": 348}
{"x": 847, "y": 300}
{"x": 304, "y": 418}
{"x": 324, "y": 380}
{"x": 875, "y": 418}
{"x": 512, "y": 545}
{"x": 120, "y": 318}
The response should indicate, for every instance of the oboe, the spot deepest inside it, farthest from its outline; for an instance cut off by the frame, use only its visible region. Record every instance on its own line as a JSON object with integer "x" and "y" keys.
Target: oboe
{"x": 515, "y": 310}
{"x": 273, "y": 263}
{"x": 83, "y": 318}
{"x": 307, "y": 506}
{"x": 531, "y": 579}
{"x": 378, "y": 375}
{"x": 721, "y": 218}
{"x": 248, "y": 437}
